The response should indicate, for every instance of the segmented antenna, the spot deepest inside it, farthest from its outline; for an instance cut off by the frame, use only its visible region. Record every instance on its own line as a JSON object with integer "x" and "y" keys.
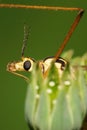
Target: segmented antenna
{"x": 26, "y": 35}
{"x": 69, "y": 34}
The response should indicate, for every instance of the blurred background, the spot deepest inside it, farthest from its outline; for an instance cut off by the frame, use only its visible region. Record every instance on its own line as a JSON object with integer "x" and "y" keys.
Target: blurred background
{"x": 48, "y": 29}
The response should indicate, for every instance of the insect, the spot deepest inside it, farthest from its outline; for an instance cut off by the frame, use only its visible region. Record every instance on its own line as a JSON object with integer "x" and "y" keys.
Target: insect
{"x": 57, "y": 90}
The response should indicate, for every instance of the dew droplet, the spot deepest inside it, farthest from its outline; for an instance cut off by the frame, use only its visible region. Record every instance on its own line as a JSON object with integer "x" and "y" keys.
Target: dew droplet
{"x": 54, "y": 101}
{"x": 49, "y": 91}
{"x": 37, "y": 96}
{"x": 51, "y": 83}
{"x": 37, "y": 87}
{"x": 67, "y": 82}
{"x": 59, "y": 87}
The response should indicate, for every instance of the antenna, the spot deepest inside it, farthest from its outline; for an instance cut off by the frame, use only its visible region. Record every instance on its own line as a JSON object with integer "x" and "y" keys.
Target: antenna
{"x": 26, "y": 35}
{"x": 69, "y": 34}
{"x": 55, "y": 8}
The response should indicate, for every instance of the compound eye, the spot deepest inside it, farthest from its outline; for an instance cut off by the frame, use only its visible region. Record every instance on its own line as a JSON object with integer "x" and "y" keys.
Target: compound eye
{"x": 27, "y": 65}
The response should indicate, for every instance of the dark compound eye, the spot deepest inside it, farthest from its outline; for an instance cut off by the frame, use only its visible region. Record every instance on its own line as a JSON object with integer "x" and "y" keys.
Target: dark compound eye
{"x": 27, "y": 65}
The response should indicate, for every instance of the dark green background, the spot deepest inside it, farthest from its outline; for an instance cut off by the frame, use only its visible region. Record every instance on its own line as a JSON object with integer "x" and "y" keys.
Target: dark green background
{"x": 48, "y": 29}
